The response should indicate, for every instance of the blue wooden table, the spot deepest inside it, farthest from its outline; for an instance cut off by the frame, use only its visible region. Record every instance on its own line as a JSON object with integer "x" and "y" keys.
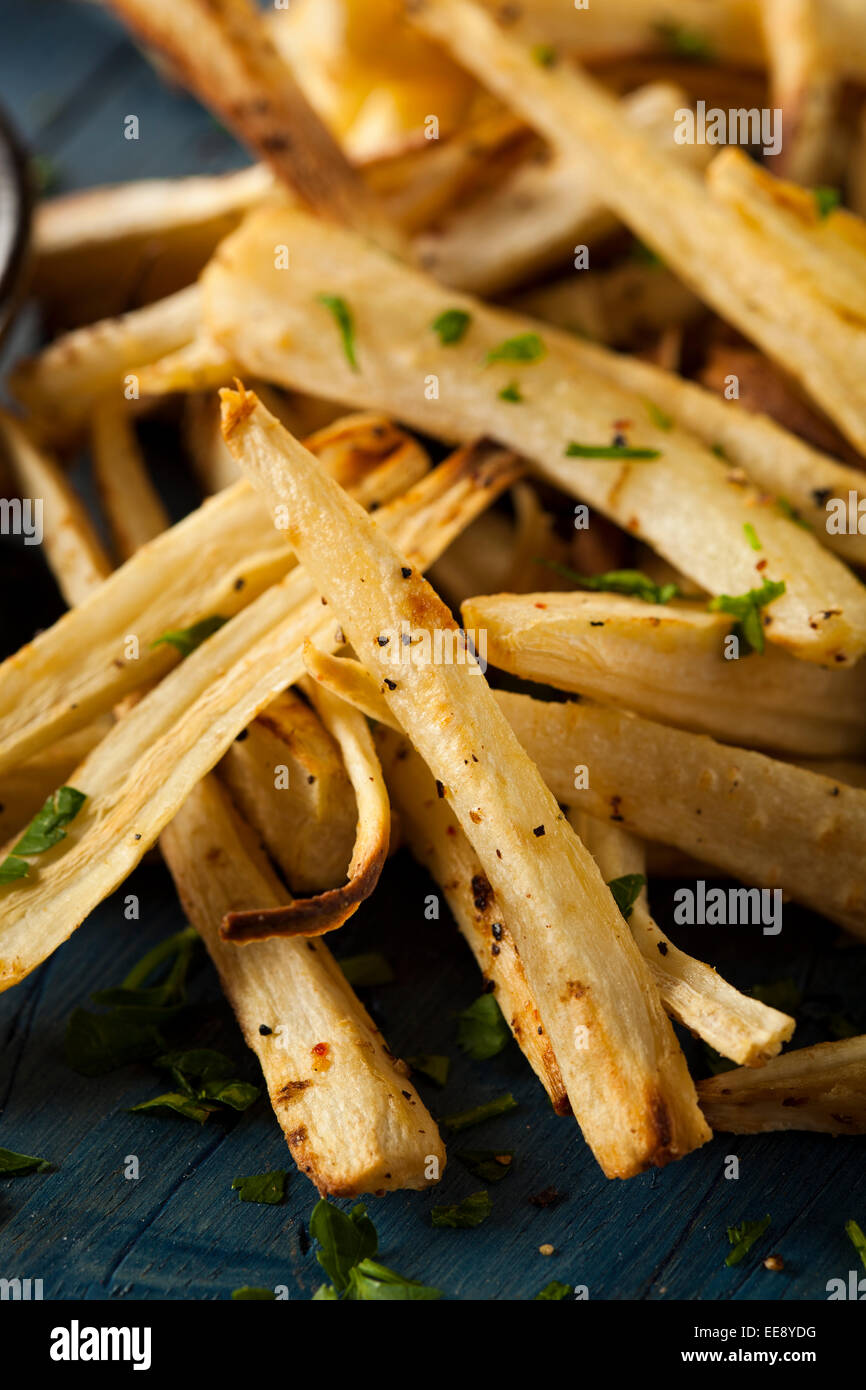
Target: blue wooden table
{"x": 178, "y": 1231}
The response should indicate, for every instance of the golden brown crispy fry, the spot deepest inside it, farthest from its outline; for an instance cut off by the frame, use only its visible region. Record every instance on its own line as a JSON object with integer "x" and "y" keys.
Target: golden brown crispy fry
{"x": 352, "y": 1119}
{"x": 133, "y": 510}
{"x": 628, "y": 1086}
{"x": 682, "y": 499}
{"x": 819, "y": 1088}
{"x": 223, "y": 51}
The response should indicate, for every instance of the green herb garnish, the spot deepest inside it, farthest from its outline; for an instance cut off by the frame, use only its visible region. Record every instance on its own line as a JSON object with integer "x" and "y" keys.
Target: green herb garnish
{"x": 47, "y": 828}
{"x": 178, "y": 1104}
{"x": 249, "y": 1294}
{"x": 203, "y": 1081}
{"x": 432, "y": 1065}
{"x": 826, "y": 199}
{"x": 266, "y": 1188}
{"x": 366, "y": 970}
{"x": 746, "y": 608}
{"x": 857, "y": 1238}
{"x": 488, "y": 1165}
{"x": 683, "y": 42}
{"x": 630, "y": 582}
{"x": 659, "y": 417}
{"x": 452, "y": 326}
{"x": 751, "y": 535}
{"x": 371, "y": 1282}
{"x": 187, "y": 639}
{"x": 347, "y": 1244}
{"x": 544, "y": 54}
{"x": 346, "y": 324}
{"x": 526, "y": 347}
{"x": 464, "y": 1119}
{"x": 641, "y": 254}
{"x": 511, "y": 393}
{"x": 97, "y": 1043}
{"x": 785, "y": 507}
{"x": 626, "y": 891}
{"x": 13, "y": 1165}
{"x": 554, "y": 1292}
{"x": 464, "y": 1215}
{"x": 609, "y": 451}
{"x": 743, "y": 1237}
{"x": 482, "y": 1031}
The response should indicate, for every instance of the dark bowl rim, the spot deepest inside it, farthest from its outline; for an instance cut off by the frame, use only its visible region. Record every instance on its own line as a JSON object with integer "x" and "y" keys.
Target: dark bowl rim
{"x": 11, "y": 276}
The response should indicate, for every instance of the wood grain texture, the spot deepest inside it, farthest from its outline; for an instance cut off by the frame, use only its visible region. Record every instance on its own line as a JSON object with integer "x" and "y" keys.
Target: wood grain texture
{"x": 179, "y": 1231}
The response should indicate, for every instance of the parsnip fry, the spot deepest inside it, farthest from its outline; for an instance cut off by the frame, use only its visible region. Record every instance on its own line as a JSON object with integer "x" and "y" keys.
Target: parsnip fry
{"x": 819, "y": 1088}
{"x": 539, "y": 213}
{"x": 729, "y": 261}
{"x": 223, "y": 51}
{"x": 438, "y": 843}
{"x": 133, "y": 510}
{"x": 140, "y": 774}
{"x": 213, "y": 563}
{"x": 628, "y": 1086}
{"x": 287, "y": 779}
{"x": 25, "y": 790}
{"x": 61, "y": 385}
{"x": 762, "y": 821}
{"x": 329, "y": 909}
{"x": 737, "y": 1026}
{"x": 352, "y": 1120}
{"x": 74, "y": 551}
{"x": 680, "y": 499}
{"x": 668, "y": 662}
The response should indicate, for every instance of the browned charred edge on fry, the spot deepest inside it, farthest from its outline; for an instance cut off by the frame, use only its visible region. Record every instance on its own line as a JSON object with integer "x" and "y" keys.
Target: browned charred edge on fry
{"x": 315, "y": 916}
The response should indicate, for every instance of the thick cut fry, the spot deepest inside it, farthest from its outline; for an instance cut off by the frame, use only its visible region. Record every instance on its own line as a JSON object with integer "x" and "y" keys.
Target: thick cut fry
{"x": 760, "y": 820}
{"x": 61, "y": 385}
{"x": 725, "y": 258}
{"x": 287, "y": 779}
{"x": 628, "y": 1086}
{"x": 778, "y": 462}
{"x": 820, "y": 1088}
{"x": 214, "y": 466}
{"x": 132, "y": 508}
{"x": 331, "y": 908}
{"x": 538, "y": 215}
{"x": 437, "y": 842}
{"x": 223, "y": 51}
{"x": 107, "y": 250}
{"x": 141, "y": 773}
{"x": 667, "y": 661}
{"x": 352, "y": 1120}
{"x": 681, "y": 499}
{"x": 213, "y": 563}
{"x": 73, "y": 549}
{"x": 693, "y": 993}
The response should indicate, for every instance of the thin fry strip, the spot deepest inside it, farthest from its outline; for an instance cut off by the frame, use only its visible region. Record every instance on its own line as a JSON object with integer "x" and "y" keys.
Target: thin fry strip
{"x": 73, "y": 549}
{"x": 286, "y": 778}
{"x": 224, "y": 53}
{"x": 819, "y": 1088}
{"x": 737, "y": 1026}
{"x": 61, "y": 385}
{"x": 629, "y": 1087}
{"x": 676, "y": 495}
{"x": 437, "y": 842}
{"x": 352, "y": 1119}
{"x": 213, "y": 563}
{"x": 726, "y": 260}
{"x": 140, "y": 774}
{"x": 668, "y": 662}
{"x": 133, "y": 509}
{"x": 762, "y": 821}
{"x": 330, "y": 909}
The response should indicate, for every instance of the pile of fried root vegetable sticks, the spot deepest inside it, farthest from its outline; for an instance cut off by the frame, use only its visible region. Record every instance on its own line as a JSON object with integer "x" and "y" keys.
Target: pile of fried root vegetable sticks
{"x": 351, "y": 271}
